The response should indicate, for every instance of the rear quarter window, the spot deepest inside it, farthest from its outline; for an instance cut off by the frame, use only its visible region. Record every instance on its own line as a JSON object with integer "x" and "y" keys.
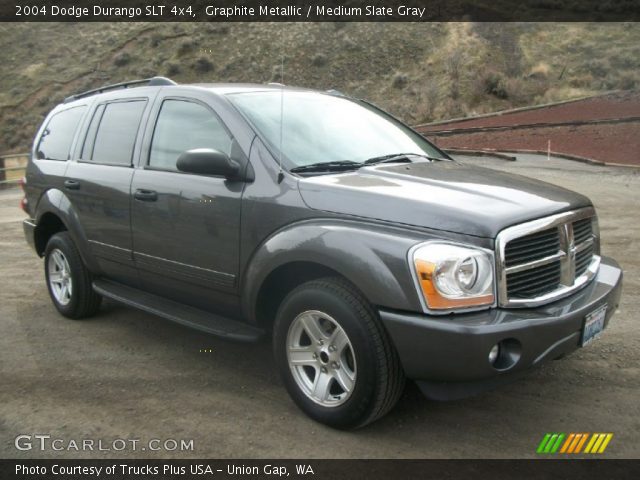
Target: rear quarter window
{"x": 55, "y": 141}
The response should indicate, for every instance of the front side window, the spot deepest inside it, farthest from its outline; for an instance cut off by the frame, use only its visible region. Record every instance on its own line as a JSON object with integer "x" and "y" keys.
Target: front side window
{"x": 55, "y": 142}
{"x": 310, "y": 128}
{"x": 182, "y": 126}
{"x": 116, "y": 133}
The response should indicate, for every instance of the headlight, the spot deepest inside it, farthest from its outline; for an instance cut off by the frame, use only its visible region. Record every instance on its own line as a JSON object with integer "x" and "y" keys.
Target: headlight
{"x": 453, "y": 276}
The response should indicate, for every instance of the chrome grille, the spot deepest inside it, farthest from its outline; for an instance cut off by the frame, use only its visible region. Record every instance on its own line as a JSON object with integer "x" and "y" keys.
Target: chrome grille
{"x": 532, "y": 247}
{"x": 546, "y": 259}
{"x": 533, "y": 282}
{"x": 583, "y": 259}
{"x": 582, "y": 230}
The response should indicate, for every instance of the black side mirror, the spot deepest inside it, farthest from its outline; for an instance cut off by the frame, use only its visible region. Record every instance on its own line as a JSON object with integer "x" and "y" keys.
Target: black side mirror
{"x": 207, "y": 161}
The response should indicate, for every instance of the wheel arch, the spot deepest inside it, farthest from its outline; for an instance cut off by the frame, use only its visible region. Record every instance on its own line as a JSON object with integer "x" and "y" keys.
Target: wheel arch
{"x": 280, "y": 281}
{"x": 54, "y": 214}
{"x": 48, "y": 225}
{"x": 373, "y": 260}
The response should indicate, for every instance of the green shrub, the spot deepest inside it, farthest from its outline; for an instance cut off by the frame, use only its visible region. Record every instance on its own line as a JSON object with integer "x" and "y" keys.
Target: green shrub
{"x": 399, "y": 80}
{"x": 494, "y": 83}
{"x": 173, "y": 68}
{"x": 319, "y": 60}
{"x": 203, "y": 65}
{"x": 122, "y": 59}
{"x": 598, "y": 68}
{"x": 186, "y": 46}
{"x": 628, "y": 81}
{"x": 146, "y": 72}
{"x": 155, "y": 39}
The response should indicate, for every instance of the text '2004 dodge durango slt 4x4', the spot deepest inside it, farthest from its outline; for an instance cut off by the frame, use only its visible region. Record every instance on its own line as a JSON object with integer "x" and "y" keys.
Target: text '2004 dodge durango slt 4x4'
{"x": 367, "y": 253}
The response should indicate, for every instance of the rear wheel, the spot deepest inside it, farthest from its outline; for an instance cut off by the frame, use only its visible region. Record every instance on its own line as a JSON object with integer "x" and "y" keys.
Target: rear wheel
{"x": 334, "y": 355}
{"x": 68, "y": 279}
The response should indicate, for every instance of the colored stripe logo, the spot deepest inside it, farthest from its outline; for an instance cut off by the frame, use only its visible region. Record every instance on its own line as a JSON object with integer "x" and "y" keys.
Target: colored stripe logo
{"x": 574, "y": 443}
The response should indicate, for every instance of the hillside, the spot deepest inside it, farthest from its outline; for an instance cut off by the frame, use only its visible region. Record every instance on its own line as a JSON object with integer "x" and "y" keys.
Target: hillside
{"x": 421, "y": 71}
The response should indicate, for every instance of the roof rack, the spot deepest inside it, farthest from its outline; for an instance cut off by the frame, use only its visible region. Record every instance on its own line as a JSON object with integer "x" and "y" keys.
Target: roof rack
{"x": 151, "y": 82}
{"x": 335, "y": 93}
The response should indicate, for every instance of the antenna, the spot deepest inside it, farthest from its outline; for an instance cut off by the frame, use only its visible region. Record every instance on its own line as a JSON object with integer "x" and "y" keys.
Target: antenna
{"x": 280, "y": 173}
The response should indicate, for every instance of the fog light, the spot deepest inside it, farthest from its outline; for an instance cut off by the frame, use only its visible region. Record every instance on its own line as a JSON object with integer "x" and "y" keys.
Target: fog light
{"x": 493, "y": 353}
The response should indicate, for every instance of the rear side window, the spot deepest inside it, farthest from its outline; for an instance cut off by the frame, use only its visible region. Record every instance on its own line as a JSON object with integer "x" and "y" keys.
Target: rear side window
{"x": 116, "y": 132}
{"x": 87, "y": 147}
{"x": 55, "y": 141}
{"x": 183, "y": 126}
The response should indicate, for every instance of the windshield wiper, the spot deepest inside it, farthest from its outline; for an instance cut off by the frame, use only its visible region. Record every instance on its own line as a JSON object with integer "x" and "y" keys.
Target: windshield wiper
{"x": 346, "y": 165}
{"x": 398, "y": 157}
{"x": 336, "y": 166}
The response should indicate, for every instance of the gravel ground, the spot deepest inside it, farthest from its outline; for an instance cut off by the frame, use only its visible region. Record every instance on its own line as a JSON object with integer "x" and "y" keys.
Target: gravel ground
{"x": 127, "y": 374}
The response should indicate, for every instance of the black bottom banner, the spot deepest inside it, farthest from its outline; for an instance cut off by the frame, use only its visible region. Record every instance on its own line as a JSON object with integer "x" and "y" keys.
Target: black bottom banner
{"x": 320, "y": 469}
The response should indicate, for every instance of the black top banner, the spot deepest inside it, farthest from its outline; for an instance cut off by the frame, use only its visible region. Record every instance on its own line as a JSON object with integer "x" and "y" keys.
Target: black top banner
{"x": 318, "y": 10}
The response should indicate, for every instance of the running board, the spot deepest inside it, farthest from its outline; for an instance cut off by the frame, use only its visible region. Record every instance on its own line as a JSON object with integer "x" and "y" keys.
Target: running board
{"x": 177, "y": 312}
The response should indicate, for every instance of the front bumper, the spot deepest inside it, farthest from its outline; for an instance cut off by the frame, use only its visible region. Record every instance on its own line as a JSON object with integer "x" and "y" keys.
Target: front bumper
{"x": 448, "y": 355}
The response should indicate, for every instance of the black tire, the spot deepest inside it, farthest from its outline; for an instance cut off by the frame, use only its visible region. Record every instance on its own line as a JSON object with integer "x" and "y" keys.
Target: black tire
{"x": 379, "y": 381}
{"x": 83, "y": 300}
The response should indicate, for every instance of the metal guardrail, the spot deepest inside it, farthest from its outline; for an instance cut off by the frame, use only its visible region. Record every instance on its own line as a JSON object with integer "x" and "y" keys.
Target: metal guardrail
{"x": 7, "y": 173}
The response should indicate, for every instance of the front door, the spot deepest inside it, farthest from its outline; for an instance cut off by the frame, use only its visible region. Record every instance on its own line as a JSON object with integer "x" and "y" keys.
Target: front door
{"x": 186, "y": 227}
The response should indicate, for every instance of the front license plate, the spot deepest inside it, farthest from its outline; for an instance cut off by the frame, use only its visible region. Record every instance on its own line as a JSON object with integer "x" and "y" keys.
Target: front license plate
{"x": 593, "y": 325}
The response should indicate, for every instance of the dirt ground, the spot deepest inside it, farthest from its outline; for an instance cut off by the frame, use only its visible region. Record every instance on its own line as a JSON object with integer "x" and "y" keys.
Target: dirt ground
{"x": 614, "y": 142}
{"x": 617, "y": 143}
{"x": 127, "y": 374}
{"x": 612, "y": 106}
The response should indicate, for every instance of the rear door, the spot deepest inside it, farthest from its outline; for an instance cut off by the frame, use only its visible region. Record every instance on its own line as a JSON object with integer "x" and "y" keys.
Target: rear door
{"x": 98, "y": 182}
{"x": 186, "y": 227}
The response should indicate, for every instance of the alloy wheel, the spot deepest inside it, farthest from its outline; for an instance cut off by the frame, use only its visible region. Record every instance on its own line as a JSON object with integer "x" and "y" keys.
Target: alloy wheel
{"x": 60, "y": 279}
{"x": 321, "y": 358}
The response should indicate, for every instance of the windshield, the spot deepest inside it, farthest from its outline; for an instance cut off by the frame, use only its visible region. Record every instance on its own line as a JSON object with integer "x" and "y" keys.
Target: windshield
{"x": 319, "y": 128}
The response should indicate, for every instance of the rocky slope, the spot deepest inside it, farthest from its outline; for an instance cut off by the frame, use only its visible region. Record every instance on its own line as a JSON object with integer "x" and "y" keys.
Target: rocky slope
{"x": 420, "y": 71}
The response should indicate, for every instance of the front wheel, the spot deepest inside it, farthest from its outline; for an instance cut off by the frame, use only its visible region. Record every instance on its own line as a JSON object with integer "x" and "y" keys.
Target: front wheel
{"x": 334, "y": 355}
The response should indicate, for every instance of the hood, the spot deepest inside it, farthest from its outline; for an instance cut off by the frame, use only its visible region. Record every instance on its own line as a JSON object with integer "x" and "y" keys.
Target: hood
{"x": 439, "y": 195}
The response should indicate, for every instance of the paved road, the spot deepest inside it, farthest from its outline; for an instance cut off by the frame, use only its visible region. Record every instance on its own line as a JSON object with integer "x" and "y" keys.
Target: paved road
{"x": 127, "y": 374}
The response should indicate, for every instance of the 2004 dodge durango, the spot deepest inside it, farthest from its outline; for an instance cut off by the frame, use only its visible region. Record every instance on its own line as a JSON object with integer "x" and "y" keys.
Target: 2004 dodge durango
{"x": 367, "y": 253}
